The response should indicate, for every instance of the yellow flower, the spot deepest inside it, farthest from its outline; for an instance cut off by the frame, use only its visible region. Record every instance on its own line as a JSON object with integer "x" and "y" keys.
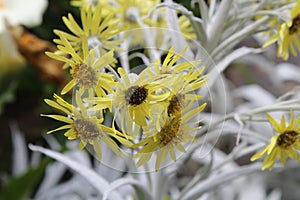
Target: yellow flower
{"x": 80, "y": 124}
{"x": 98, "y": 31}
{"x": 128, "y": 12}
{"x": 86, "y": 72}
{"x": 128, "y": 9}
{"x": 176, "y": 119}
{"x": 183, "y": 92}
{"x": 134, "y": 98}
{"x": 285, "y": 143}
{"x": 175, "y": 132}
{"x": 169, "y": 65}
{"x": 288, "y": 35}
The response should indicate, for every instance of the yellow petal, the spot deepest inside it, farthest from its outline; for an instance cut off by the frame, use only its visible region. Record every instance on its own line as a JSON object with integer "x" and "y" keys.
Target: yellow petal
{"x": 273, "y": 39}
{"x": 143, "y": 159}
{"x": 180, "y": 147}
{"x": 68, "y": 87}
{"x": 123, "y": 141}
{"x": 81, "y": 145}
{"x": 161, "y": 157}
{"x": 98, "y": 151}
{"x": 57, "y": 106}
{"x": 276, "y": 126}
{"x": 282, "y": 156}
{"x": 60, "y": 118}
{"x": 259, "y": 154}
{"x": 72, "y": 25}
{"x": 112, "y": 145}
{"x": 60, "y": 128}
{"x": 172, "y": 154}
{"x": 272, "y": 144}
{"x": 270, "y": 160}
{"x": 71, "y": 134}
{"x": 105, "y": 60}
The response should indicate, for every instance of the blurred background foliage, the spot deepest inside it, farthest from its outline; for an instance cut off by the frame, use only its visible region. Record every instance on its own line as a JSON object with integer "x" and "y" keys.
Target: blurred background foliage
{"x": 22, "y": 91}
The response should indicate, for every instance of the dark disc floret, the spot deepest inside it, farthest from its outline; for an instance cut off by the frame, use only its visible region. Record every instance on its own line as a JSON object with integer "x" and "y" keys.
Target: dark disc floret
{"x": 136, "y": 95}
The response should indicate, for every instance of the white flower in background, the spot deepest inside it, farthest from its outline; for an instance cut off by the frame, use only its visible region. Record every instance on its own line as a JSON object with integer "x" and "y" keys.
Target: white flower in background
{"x": 28, "y": 13}
{"x": 16, "y": 12}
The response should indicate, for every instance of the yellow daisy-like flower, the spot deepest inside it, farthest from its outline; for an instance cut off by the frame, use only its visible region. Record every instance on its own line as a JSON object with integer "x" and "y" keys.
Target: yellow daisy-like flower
{"x": 285, "y": 143}
{"x": 158, "y": 20}
{"x": 86, "y": 73}
{"x": 175, "y": 132}
{"x": 127, "y": 9}
{"x": 169, "y": 65}
{"x": 288, "y": 35}
{"x": 134, "y": 98}
{"x": 98, "y": 31}
{"x": 129, "y": 12}
{"x": 182, "y": 92}
{"x": 85, "y": 127}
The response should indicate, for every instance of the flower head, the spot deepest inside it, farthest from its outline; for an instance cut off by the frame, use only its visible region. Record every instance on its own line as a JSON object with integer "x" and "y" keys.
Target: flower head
{"x": 175, "y": 132}
{"x": 176, "y": 119}
{"x": 87, "y": 127}
{"x": 134, "y": 98}
{"x": 285, "y": 143}
{"x": 98, "y": 31}
{"x": 288, "y": 35}
{"x": 170, "y": 64}
{"x": 88, "y": 71}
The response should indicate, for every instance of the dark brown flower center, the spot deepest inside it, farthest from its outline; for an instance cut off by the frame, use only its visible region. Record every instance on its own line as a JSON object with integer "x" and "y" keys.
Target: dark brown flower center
{"x": 86, "y": 76}
{"x": 136, "y": 95}
{"x": 287, "y": 139}
{"x": 86, "y": 130}
{"x": 295, "y": 25}
{"x": 170, "y": 132}
{"x": 175, "y": 104}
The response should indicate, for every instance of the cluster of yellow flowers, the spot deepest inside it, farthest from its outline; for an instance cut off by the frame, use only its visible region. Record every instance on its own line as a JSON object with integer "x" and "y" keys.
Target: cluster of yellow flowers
{"x": 286, "y": 140}
{"x": 155, "y": 110}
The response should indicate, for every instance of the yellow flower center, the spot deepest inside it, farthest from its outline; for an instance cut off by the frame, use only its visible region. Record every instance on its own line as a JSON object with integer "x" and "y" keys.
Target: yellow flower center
{"x": 295, "y": 25}
{"x": 136, "y": 95}
{"x": 287, "y": 139}
{"x": 86, "y": 76}
{"x": 74, "y": 71}
{"x": 175, "y": 104}
{"x": 170, "y": 132}
{"x": 86, "y": 130}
